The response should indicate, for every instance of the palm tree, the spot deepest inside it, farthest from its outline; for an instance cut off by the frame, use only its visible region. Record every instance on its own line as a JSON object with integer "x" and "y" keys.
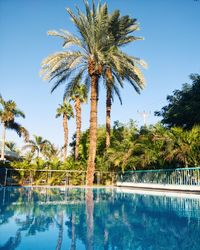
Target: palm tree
{"x": 119, "y": 66}
{"x": 178, "y": 146}
{"x": 101, "y": 36}
{"x": 111, "y": 89}
{"x": 79, "y": 96}
{"x": 12, "y": 146}
{"x": 8, "y": 113}
{"x": 50, "y": 152}
{"x": 37, "y": 146}
{"x": 194, "y": 155}
{"x": 65, "y": 110}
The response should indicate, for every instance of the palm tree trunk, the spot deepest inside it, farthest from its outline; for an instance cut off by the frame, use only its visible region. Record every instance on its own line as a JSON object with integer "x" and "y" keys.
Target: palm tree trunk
{"x": 78, "y": 125}
{"x": 3, "y": 142}
{"x": 108, "y": 111}
{"x": 65, "y": 127}
{"x": 93, "y": 130}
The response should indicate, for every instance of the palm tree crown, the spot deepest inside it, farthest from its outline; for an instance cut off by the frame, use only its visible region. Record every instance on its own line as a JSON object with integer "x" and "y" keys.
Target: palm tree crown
{"x": 65, "y": 110}
{"x": 8, "y": 113}
{"x": 37, "y": 145}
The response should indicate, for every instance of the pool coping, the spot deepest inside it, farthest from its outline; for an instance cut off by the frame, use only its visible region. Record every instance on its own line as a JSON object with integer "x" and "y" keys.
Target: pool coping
{"x": 165, "y": 193}
{"x": 56, "y": 186}
{"x": 161, "y": 187}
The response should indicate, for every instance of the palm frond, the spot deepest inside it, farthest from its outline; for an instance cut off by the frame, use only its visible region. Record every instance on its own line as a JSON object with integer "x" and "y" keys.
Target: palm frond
{"x": 117, "y": 92}
{"x": 73, "y": 83}
{"x": 20, "y": 130}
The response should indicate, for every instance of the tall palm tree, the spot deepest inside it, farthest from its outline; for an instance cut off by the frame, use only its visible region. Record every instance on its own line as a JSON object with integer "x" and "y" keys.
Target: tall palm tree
{"x": 101, "y": 36}
{"x": 111, "y": 89}
{"x": 78, "y": 95}
{"x": 37, "y": 145}
{"x": 65, "y": 110}
{"x": 119, "y": 66}
{"x": 8, "y": 113}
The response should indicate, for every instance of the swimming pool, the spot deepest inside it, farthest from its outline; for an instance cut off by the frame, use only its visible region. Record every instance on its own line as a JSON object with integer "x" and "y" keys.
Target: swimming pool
{"x": 101, "y": 218}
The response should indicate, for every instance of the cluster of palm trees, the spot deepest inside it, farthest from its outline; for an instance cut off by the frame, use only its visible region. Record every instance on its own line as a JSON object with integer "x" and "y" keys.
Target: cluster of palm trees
{"x": 96, "y": 57}
{"x": 78, "y": 95}
{"x": 38, "y": 146}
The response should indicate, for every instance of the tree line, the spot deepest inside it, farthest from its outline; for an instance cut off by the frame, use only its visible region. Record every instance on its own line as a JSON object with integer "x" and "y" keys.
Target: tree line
{"x": 131, "y": 147}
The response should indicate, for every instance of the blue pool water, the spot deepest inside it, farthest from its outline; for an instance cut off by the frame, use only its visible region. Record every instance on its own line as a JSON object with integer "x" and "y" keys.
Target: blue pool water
{"x": 75, "y": 218}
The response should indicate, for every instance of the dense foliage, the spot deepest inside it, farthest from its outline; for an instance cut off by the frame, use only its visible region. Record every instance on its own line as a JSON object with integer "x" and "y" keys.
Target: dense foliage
{"x": 131, "y": 147}
{"x": 183, "y": 107}
{"x": 150, "y": 147}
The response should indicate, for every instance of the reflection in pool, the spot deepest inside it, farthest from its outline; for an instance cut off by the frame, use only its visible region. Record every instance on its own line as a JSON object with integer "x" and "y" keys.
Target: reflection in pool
{"x": 77, "y": 218}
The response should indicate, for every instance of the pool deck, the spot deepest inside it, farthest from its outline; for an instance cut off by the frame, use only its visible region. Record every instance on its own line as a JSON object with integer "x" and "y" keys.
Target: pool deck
{"x": 161, "y": 187}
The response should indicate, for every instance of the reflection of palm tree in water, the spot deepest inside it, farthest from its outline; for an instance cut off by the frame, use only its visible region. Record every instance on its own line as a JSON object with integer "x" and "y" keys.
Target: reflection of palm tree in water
{"x": 73, "y": 242}
{"x": 89, "y": 218}
{"x": 106, "y": 239}
{"x": 60, "y": 234}
{"x": 13, "y": 242}
{"x": 61, "y": 229}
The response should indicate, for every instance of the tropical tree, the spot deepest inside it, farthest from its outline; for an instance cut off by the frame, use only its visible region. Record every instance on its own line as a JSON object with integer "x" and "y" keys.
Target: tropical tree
{"x": 37, "y": 145}
{"x": 184, "y": 146}
{"x": 12, "y": 146}
{"x": 50, "y": 152}
{"x": 101, "y": 36}
{"x": 119, "y": 66}
{"x": 8, "y": 113}
{"x": 78, "y": 95}
{"x": 111, "y": 88}
{"x": 121, "y": 154}
{"x": 183, "y": 106}
{"x": 65, "y": 110}
{"x": 194, "y": 155}
{"x": 179, "y": 147}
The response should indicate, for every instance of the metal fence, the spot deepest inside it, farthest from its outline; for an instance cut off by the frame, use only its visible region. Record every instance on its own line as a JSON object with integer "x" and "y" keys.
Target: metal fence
{"x": 179, "y": 176}
{"x": 31, "y": 177}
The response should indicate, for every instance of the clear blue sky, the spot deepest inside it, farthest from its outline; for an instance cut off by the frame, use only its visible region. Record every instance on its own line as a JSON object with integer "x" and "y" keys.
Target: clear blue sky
{"x": 171, "y": 48}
